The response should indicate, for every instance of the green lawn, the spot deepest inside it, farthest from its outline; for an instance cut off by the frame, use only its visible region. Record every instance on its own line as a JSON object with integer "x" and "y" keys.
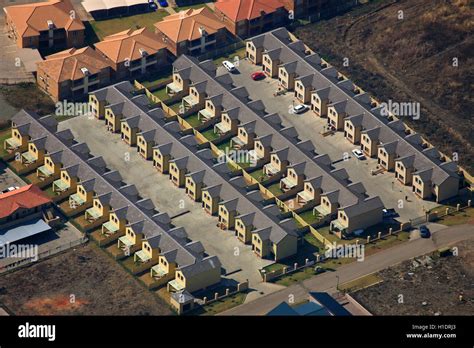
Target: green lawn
{"x": 309, "y": 217}
{"x": 259, "y": 175}
{"x": 241, "y": 53}
{"x": 361, "y": 283}
{"x": 210, "y": 135}
{"x": 221, "y": 305}
{"x": 312, "y": 240}
{"x": 161, "y": 93}
{"x": 224, "y": 145}
{"x": 193, "y": 120}
{"x": 111, "y": 26}
{"x": 458, "y": 218}
{"x": 275, "y": 189}
{"x": 153, "y": 79}
{"x": 197, "y": 6}
{"x": 4, "y": 135}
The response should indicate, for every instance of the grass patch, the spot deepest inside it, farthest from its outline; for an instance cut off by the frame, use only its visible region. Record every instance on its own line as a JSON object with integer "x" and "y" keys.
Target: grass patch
{"x": 275, "y": 189}
{"x": 224, "y": 145}
{"x": 458, "y": 218}
{"x": 193, "y": 120}
{"x": 197, "y": 6}
{"x": 29, "y": 97}
{"x": 210, "y": 135}
{"x": 221, "y": 305}
{"x": 161, "y": 93}
{"x": 4, "y": 135}
{"x": 312, "y": 240}
{"x": 259, "y": 175}
{"x": 360, "y": 283}
{"x": 155, "y": 78}
{"x": 114, "y": 25}
{"x": 309, "y": 217}
{"x": 241, "y": 53}
{"x": 296, "y": 277}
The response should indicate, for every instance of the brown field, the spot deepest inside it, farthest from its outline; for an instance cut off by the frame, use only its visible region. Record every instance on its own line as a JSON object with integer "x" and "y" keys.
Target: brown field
{"x": 408, "y": 60}
{"x": 100, "y": 286}
{"x": 434, "y": 288}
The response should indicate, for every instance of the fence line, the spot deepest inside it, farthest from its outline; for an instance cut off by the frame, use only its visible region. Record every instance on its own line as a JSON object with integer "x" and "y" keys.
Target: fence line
{"x": 23, "y": 262}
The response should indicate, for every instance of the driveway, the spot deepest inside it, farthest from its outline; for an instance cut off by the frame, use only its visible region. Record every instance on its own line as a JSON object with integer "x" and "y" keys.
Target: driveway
{"x": 238, "y": 260}
{"x": 327, "y": 282}
{"x": 309, "y": 126}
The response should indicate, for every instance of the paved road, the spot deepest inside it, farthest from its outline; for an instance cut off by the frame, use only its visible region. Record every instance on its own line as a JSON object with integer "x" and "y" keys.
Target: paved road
{"x": 327, "y": 282}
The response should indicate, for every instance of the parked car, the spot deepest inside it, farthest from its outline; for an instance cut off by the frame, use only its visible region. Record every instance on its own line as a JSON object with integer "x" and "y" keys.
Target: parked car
{"x": 300, "y": 108}
{"x": 11, "y": 188}
{"x": 163, "y": 3}
{"x": 358, "y": 233}
{"x": 388, "y": 213}
{"x": 229, "y": 66}
{"x": 424, "y": 231}
{"x": 152, "y": 5}
{"x": 358, "y": 154}
{"x": 258, "y": 75}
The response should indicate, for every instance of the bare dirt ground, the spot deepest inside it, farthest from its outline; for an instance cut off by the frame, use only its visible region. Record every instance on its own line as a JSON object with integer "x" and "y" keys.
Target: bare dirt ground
{"x": 95, "y": 282}
{"x": 404, "y": 50}
{"x": 425, "y": 289}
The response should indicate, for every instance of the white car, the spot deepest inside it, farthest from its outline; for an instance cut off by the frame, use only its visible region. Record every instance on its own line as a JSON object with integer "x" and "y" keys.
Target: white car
{"x": 300, "y": 108}
{"x": 11, "y": 188}
{"x": 359, "y": 154}
{"x": 229, "y": 66}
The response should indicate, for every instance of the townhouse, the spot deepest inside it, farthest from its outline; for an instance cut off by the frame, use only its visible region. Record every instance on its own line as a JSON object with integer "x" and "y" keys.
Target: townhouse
{"x": 133, "y": 52}
{"x": 291, "y": 162}
{"x": 246, "y": 18}
{"x": 44, "y": 25}
{"x": 118, "y": 210}
{"x": 207, "y": 182}
{"x": 192, "y": 31}
{"x": 73, "y": 73}
{"x": 352, "y": 111}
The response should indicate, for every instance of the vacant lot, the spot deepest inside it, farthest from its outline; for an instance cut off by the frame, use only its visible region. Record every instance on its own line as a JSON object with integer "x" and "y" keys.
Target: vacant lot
{"x": 95, "y": 282}
{"x": 404, "y": 50}
{"x": 427, "y": 289}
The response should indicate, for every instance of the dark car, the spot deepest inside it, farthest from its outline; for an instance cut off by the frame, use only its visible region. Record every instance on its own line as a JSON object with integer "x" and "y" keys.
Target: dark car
{"x": 424, "y": 232}
{"x": 163, "y": 3}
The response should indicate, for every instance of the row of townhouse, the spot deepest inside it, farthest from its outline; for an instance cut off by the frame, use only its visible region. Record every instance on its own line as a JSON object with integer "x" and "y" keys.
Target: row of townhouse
{"x": 351, "y": 110}
{"x": 300, "y": 170}
{"x": 206, "y": 182}
{"x": 106, "y": 203}
{"x": 246, "y": 18}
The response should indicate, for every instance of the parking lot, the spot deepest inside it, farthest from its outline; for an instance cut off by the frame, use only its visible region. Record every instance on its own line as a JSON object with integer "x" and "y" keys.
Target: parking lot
{"x": 309, "y": 126}
{"x": 237, "y": 259}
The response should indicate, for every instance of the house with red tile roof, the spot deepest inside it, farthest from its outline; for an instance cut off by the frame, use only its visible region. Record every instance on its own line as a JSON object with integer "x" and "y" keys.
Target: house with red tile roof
{"x": 73, "y": 73}
{"x": 21, "y": 203}
{"x": 246, "y": 18}
{"x": 47, "y": 24}
{"x": 192, "y": 31}
{"x": 134, "y": 52}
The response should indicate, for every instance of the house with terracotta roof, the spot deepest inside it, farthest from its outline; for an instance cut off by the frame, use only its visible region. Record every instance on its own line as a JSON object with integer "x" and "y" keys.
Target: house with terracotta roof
{"x": 44, "y": 25}
{"x": 133, "y": 52}
{"x": 192, "y": 31}
{"x": 246, "y": 18}
{"x": 20, "y": 204}
{"x": 73, "y": 73}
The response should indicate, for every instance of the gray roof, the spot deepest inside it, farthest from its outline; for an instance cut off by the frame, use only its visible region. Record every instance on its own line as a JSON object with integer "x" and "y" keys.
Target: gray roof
{"x": 109, "y": 194}
{"x": 375, "y": 124}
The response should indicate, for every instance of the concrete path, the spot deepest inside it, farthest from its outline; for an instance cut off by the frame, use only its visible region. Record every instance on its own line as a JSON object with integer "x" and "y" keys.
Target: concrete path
{"x": 327, "y": 282}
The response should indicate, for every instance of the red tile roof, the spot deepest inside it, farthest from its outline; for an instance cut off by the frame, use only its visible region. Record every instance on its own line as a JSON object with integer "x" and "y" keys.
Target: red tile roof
{"x": 26, "y": 197}
{"x": 238, "y": 10}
